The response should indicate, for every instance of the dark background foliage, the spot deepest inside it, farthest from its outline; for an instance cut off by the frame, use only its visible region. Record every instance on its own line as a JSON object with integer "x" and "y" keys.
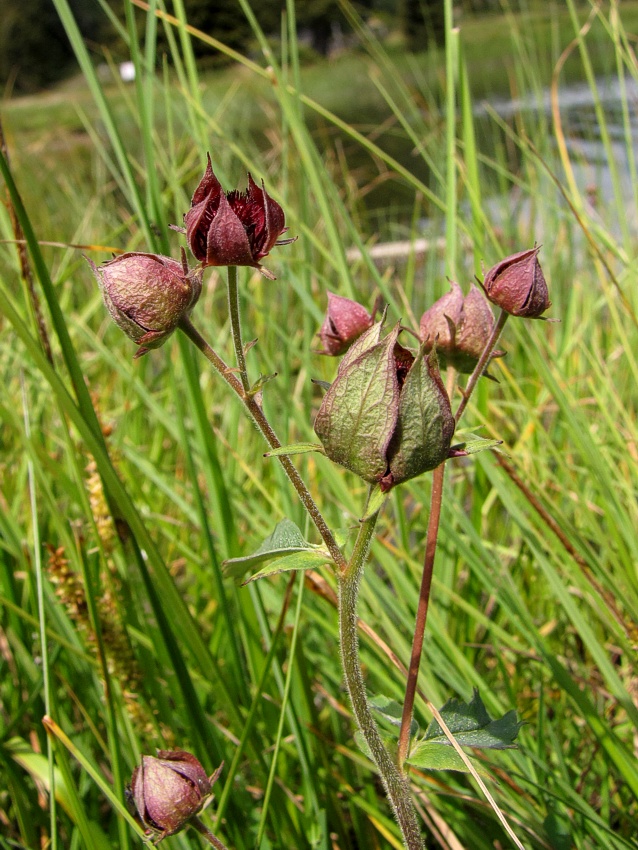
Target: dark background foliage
{"x": 35, "y": 53}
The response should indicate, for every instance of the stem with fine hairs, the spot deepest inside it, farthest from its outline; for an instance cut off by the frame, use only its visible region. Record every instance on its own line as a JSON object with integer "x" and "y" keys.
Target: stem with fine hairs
{"x": 207, "y": 834}
{"x": 259, "y": 418}
{"x": 395, "y": 783}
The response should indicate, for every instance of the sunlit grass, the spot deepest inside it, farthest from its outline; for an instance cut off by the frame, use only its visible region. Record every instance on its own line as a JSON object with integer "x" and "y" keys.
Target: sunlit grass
{"x": 542, "y": 622}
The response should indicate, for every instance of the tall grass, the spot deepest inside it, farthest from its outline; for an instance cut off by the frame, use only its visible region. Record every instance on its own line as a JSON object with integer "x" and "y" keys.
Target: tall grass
{"x": 135, "y": 641}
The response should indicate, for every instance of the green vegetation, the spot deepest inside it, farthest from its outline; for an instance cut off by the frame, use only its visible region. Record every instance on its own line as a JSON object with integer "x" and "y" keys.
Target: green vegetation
{"x": 139, "y": 643}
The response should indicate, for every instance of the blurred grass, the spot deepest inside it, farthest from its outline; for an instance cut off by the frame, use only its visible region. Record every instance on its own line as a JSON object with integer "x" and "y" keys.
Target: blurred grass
{"x": 146, "y": 648}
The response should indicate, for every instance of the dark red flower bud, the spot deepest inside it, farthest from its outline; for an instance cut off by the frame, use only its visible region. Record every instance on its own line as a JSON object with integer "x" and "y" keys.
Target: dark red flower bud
{"x": 345, "y": 321}
{"x": 169, "y": 790}
{"x": 147, "y": 295}
{"x": 517, "y": 285}
{"x": 233, "y": 228}
{"x": 459, "y": 327}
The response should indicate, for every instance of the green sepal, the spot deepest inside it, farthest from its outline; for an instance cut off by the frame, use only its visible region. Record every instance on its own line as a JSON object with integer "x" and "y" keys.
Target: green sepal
{"x": 295, "y": 449}
{"x": 365, "y": 342}
{"x": 358, "y": 414}
{"x": 376, "y": 501}
{"x": 425, "y": 424}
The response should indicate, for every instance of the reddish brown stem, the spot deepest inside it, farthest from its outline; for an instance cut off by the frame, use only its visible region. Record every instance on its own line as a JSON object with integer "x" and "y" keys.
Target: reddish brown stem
{"x": 438, "y": 478}
{"x": 436, "y": 501}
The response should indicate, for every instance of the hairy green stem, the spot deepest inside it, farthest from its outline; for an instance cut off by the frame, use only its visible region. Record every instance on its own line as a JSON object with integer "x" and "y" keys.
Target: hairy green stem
{"x": 257, "y": 415}
{"x": 395, "y": 784}
{"x": 235, "y": 325}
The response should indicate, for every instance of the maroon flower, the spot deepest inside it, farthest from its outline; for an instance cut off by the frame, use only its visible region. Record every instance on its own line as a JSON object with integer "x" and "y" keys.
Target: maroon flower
{"x": 345, "y": 321}
{"x": 233, "y": 228}
{"x": 517, "y": 285}
{"x": 169, "y": 790}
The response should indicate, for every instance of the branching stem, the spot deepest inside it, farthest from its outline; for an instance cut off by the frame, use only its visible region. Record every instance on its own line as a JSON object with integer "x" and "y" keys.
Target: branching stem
{"x": 395, "y": 784}
{"x": 482, "y": 364}
{"x": 257, "y": 415}
{"x": 436, "y": 502}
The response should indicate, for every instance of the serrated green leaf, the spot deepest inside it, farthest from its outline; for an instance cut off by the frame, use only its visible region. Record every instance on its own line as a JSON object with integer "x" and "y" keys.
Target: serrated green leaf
{"x": 391, "y": 711}
{"x": 305, "y": 560}
{"x": 295, "y": 449}
{"x": 471, "y": 725}
{"x": 285, "y": 539}
{"x": 429, "y": 756}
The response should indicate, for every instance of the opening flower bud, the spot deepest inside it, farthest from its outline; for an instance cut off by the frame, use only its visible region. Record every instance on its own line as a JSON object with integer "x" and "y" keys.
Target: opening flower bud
{"x": 459, "y": 327}
{"x": 386, "y": 417}
{"x": 147, "y": 295}
{"x": 518, "y": 286}
{"x": 233, "y": 228}
{"x": 168, "y": 790}
{"x": 345, "y": 321}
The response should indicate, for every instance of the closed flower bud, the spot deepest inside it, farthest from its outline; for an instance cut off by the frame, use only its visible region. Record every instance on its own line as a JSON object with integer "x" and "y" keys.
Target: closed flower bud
{"x": 345, "y": 321}
{"x": 517, "y": 285}
{"x": 169, "y": 790}
{"x": 147, "y": 295}
{"x": 233, "y": 228}
{"x": 386, "y": 417}
{"x": 459, "y": 327}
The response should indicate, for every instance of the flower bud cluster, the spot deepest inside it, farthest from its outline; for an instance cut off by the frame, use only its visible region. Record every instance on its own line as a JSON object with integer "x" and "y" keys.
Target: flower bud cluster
{"x": 387, "y": 416}
{"x": 148, "y": 295}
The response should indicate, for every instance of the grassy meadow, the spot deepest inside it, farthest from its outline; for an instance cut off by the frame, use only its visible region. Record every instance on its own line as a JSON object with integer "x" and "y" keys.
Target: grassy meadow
{"x": 136, "y": 642}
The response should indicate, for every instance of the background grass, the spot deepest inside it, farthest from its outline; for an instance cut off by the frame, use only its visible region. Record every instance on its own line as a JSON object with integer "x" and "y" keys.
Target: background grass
{"x": 140, "y": 644}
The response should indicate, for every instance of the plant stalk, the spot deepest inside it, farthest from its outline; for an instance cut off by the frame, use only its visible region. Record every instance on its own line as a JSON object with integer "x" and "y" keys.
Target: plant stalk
{"x": 436, "y": 502}
{"x": 395, "y": 784}
{"x": 482, "y": 364}
{"x": 254, "y": 409}
{"x": 235, "y": 326}
{"x": 212, "y": 839}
